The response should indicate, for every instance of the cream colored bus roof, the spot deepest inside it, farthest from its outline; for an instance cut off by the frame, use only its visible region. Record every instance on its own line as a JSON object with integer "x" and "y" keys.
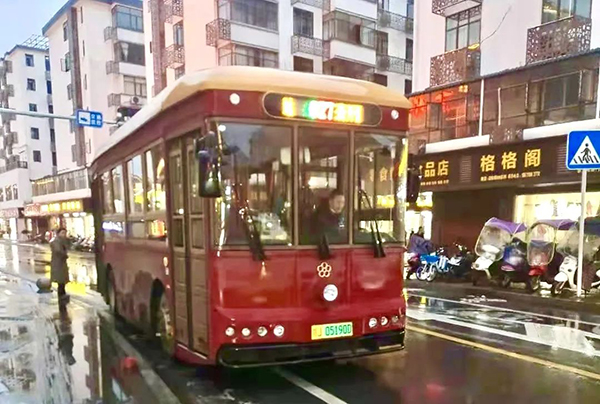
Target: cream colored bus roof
{"x": 246, "y": 78}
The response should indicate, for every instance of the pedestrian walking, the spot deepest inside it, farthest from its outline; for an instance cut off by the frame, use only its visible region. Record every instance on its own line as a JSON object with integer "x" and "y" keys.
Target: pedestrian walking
{"x": 59, "y": 270}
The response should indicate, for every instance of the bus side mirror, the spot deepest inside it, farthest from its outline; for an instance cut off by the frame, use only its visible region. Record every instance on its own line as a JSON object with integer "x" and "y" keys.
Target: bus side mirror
{"x": 413, "y": 185}
{"x": 209, "y": 171}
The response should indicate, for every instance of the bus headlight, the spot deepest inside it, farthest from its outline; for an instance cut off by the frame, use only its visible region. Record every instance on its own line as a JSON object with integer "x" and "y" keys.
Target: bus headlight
{"x": 372, "y": 322}
{"x": 278, "y": 331}
{"x": 384, "y": 321}
{"x": 262, "y": 331}
{"x": 330, "y": 293}
{"x": 230, "y": 331}
{"x": 395, "y": 319}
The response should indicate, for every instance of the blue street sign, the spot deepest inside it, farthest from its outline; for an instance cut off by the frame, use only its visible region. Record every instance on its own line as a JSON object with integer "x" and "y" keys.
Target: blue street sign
{"x": 89, "y": 118}
{"x": 582, "y": 150}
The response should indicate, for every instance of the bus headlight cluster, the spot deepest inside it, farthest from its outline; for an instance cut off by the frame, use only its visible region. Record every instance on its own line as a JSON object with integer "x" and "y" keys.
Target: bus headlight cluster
{"x": 261, "y": 331}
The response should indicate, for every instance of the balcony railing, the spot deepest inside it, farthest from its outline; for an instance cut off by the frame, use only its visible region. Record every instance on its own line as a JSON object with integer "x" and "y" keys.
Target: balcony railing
{"x": 568, "y": 36}
{"x": 393, "y": 64}
{"x": 110, "y": 33}
{"x": 65, "y": 182}
{"x": 387, "y": 19}
{"x": 173, "y": 9}
{"x": 242, "y": 59}
{"x": 450, "y": 7}
{"x": 216, "y": 30}
{"x": 11, "y": 139}
{"x": 322, "y": 4}
{"x": 456, "y": 66}
{"x": 174, "y": 56}
{"x": 112, "y": 67}
{"x": 305, "y": 44}
{"x": 7, "y": 116}
{"x": 13, "y": 166}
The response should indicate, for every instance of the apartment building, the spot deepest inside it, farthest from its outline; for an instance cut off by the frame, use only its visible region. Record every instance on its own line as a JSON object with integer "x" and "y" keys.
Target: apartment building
{"x": 366, "y": 39}
{"x": 27, "y": 144}
{"x": 498, "y": 85}
{"x": 96, "y": 50}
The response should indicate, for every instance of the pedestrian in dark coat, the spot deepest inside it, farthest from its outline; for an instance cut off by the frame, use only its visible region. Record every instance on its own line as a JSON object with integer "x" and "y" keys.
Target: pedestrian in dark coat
{"x": 59, "y": 270}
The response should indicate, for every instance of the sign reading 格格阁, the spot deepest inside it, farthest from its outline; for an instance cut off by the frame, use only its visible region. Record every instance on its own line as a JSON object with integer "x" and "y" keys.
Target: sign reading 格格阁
{"x": 514, "y": 164}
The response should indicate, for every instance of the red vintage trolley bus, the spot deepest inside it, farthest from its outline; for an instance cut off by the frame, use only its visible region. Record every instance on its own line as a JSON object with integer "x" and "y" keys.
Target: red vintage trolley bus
{"x": 252, "y": 216}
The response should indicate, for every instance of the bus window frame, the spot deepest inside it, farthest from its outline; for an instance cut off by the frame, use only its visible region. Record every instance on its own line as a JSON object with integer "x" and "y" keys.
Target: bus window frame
{"x": 353, "y": 130}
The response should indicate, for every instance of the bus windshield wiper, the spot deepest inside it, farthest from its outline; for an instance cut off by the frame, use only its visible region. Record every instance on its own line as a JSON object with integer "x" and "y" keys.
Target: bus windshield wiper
{"x": 376, "y": 240}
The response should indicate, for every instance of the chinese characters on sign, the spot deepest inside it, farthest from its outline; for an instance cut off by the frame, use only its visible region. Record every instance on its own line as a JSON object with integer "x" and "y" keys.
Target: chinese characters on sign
{"x": 435, "y": 173}
{"x": 508, "y": 166}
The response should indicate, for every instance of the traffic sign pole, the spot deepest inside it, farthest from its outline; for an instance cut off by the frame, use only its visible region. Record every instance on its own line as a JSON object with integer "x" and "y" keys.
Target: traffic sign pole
{"x": 44, "y": 115}
{"x": 581, "y": 233}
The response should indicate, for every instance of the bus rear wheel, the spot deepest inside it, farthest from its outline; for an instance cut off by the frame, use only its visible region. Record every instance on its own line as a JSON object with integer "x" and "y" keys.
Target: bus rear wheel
{"x": 164, "y": 326}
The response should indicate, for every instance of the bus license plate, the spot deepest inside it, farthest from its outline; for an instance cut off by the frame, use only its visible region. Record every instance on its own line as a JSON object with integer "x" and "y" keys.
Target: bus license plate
{"x": 337, "y": 330}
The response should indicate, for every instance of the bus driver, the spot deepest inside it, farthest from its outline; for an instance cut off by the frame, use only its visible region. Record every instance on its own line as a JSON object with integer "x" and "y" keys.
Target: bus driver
{"x": 329, "y": 219}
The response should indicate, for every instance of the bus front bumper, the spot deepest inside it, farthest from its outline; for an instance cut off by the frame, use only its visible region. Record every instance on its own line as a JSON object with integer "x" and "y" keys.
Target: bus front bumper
{"x": 239, "y": 356}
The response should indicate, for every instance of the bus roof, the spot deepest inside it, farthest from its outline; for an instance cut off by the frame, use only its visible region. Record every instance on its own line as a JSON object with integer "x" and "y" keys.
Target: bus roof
{"x": 247, "y": 78}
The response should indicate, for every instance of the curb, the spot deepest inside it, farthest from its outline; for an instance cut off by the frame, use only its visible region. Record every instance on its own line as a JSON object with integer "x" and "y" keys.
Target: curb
{"x": 580, "y": 305}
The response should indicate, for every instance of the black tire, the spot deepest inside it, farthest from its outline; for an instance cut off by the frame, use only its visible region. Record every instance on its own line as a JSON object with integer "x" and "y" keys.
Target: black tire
{"x": 505, "y": 281}
{"x": 474, "y": 278}
{"x": 163, "y": 329}
{"x": 557, "y": 288}
{"x": 533, "y": 283}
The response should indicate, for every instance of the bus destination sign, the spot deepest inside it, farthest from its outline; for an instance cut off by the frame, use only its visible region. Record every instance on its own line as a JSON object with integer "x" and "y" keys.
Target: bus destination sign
{"x": 312, "y": 109}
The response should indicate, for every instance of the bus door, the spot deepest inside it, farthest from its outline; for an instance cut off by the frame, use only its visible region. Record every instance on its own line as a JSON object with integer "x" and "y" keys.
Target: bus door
{"x": 187, "y": 244}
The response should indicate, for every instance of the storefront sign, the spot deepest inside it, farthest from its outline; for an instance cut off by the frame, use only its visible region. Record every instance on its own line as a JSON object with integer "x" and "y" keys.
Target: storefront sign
{"x": 305, "y": 108}
{"x": 9, "y": 213}
{"x": 515, "y": 164}
{"x": 32, "y": 210}
{"x": 56, "y": 208}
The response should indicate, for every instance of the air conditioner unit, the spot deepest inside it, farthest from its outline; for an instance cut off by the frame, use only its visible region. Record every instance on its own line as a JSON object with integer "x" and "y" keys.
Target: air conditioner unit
{"x": 135, "y": 100}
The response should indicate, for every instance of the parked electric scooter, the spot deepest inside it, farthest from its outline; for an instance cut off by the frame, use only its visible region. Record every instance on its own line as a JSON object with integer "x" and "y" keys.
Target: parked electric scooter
{"x": 542, "y": 257}
{"x": 569, "y": 248}
{"x": 515, "y": 267}
{"x": 493, "y": 239}
{"x": 434, "y": 264}
{"x": 460, "y": 264}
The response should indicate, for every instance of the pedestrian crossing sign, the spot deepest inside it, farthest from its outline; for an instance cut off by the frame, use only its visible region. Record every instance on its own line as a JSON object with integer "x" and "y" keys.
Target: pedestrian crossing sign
{"x": 582, "y": 150}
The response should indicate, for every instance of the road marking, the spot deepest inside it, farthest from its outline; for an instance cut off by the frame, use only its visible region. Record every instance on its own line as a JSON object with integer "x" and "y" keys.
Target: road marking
{"x": 485, "y": 306}
{"x": 504, "y": 352}
{"x": 309, "y": 387}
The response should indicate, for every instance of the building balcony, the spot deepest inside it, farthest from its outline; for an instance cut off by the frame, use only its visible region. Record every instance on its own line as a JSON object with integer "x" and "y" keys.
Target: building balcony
{"x": 455, "y": 66}
{"x": 174, "y": 56}
{"x": 218, "y": 30}
{"x": 387, "y": 19}
{"x": 229, "y": 56}
{"x": 5, "y": 67}
{"x": 451, "y": 7}
{"x": 126, "y": 100}
{"x": 227, "y": 29}
{"x": 569, "y": 36}
{"x": 322, "y": 4}
{"x": 110, "y": 34}
{"x": 15, "y": 165}
{"x": 7, "y": 117}
{"x": 349, "y": 68}
{"x": 173, "y": 10}
{"x": 308, "y": 45}
{"x": 65, "y": 182}
{"x": 394, "y": 64}
{"x": 112, "y": 67}
{"x": 7, "y": 91}
{"x": 11, "y": 139}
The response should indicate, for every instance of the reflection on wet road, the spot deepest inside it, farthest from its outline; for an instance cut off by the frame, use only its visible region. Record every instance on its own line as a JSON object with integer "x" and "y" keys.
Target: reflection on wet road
{"x": 460, "y": 349}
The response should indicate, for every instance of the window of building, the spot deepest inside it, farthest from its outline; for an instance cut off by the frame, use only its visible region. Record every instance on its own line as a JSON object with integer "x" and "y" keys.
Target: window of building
{"x": 303, "y": 64}
{"x": 130, "y": 53}
{"x": 85, "y": 81}
{"x": 33, "y": 107}
{"x": 247, "y": 56}
{"x": 69, "y": 91}
{"x": 382, "y": 43}
{"x": 155, "y": 180}
{"x": 8, "y": 193}
{"x": 135, "y": 185}
{"x": 47, "y": 62}
{"x": 65, "y": 31}
{"x": 463, "y": 29}
{"x": 48, "y": 86}
{"x": 553, "y": 10}
{"x": 28, "y": 60}
{"x": 31, "y": 84}
{"x": 37, "y": 156}
{"x": 407, "y": 86}
{"x": 52, "y": 136}
{"x": 259, "y": 13}
{"x": 383, "y": 4}
{"x": 134, "y": 86}
{"x": 50, "y": 109}
{"x": 303, "y": 22}
{"x": 83, "y": 47}
{"x": 35, "y": 133}
{"x": 65, "y": 63}
{"x": 54, "y": 160}
{"x": 349, "y": 28}
{"x": 561, "y": 91}
{"x": 380, "y": 79}
{"x": 178, "y": 33}
{"x": 128, "y": 18}
{"x": 15, "y": 191}
{"x": 1, "y": 194}
{"x": 81, "y": 14}
{"x": 410, "y": 9}
{"x": 180, "y": 71}
{"x": 409, "y": 50}
{"x": 118, "y": 191}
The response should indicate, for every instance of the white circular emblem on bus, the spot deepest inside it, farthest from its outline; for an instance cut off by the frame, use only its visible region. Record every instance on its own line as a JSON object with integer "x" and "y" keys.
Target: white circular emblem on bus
{"x": 395, "y": 114}
{"x": 330, "y": 293}
{"x": 324, "y": 270}
{"x": 234, "y": 98}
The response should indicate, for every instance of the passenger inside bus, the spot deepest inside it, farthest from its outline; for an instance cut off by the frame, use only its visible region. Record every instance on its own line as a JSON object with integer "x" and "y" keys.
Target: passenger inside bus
{"x": 329, "y": 219}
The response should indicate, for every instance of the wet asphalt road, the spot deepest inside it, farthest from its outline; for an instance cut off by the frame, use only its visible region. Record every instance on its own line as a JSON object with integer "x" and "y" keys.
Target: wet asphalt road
{"x": 460, "y": 348}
